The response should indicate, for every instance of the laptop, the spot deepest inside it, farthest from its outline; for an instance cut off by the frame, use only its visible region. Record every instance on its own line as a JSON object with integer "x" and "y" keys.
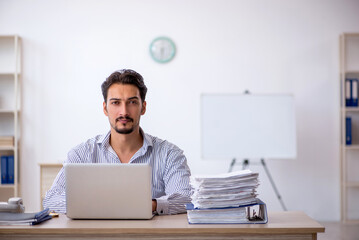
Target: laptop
{"x": 108, "y": 191}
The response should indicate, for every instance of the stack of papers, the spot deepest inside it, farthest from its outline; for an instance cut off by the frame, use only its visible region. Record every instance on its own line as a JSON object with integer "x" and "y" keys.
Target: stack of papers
{"x": 224, "y": 190}
{"x": 24, "y": 218}
{"x": 226, "y": 198}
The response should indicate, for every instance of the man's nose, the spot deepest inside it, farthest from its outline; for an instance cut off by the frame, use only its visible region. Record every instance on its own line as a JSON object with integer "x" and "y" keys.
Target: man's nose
{"x": 124, "y": 109}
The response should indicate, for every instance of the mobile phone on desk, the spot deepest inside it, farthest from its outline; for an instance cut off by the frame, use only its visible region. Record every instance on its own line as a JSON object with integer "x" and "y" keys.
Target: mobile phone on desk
{"x": 14, "y": 205}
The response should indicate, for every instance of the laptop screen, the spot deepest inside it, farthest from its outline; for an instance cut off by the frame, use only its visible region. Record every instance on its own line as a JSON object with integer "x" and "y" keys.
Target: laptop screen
{"x": 108, "y": 191}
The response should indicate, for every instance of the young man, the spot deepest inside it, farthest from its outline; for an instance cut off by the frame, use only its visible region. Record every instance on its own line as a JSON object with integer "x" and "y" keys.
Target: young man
{"x": 124, "y": 95}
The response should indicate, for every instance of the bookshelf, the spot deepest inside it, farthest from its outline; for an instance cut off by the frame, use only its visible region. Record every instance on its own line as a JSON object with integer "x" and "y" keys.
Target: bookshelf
{"x": 10, "y": 97}
{"x": 349, "y": 153}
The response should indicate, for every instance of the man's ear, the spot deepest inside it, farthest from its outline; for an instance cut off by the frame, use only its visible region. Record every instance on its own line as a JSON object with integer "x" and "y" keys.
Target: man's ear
{"x": 143, "y": 111}
{"x": 105, "y": 109}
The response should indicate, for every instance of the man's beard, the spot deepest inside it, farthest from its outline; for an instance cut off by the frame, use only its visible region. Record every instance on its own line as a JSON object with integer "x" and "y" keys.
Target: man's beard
{"x": 124, "y": 131}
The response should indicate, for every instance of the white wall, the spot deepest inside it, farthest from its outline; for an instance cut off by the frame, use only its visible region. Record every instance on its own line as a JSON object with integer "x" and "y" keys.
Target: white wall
{"x": 268, "y": 46}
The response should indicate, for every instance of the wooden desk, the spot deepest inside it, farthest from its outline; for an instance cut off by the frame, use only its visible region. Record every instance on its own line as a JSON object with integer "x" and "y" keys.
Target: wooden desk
{"x": 281, "y": 225}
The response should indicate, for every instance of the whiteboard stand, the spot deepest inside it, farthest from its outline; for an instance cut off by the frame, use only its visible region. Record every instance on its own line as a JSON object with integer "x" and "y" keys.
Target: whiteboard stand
{"x": 245, "y": 164}
{"x": 248, "y": 126}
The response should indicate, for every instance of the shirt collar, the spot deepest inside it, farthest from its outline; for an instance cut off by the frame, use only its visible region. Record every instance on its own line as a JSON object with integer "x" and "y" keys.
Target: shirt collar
{"x": 147, "y": 141}
{"x": 104, "y": 141}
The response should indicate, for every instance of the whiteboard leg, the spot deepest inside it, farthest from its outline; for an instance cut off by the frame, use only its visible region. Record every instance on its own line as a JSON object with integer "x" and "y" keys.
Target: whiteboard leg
{"x": 232, "y": 165}
{"x": 273, "y": 184}
{"x": 245, "y": 165}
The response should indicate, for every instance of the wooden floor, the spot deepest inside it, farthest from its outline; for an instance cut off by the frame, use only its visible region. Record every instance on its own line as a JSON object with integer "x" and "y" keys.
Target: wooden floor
{"x": 339, "y": 231}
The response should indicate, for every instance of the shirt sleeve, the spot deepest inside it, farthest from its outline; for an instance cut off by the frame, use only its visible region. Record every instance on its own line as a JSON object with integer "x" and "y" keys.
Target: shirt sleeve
{"x": 55, "y": 198}
{"x": 177, "y": 185}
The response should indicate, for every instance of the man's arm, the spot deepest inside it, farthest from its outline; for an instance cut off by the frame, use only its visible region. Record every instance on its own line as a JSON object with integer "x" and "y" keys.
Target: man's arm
{"x": 177, "y": 187}
{"x": 55, "y": 198}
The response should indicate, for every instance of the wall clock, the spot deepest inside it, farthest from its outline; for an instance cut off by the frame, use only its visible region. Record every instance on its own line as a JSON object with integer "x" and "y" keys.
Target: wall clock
{"x": 162, "y": 49}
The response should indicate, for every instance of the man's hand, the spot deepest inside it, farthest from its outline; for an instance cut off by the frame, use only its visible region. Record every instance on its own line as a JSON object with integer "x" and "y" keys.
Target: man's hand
{"x": 154, "y": 205}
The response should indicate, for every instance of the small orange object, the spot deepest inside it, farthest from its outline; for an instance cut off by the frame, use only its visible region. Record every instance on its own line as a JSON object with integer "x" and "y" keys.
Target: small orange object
{"x": 53, "y": 214}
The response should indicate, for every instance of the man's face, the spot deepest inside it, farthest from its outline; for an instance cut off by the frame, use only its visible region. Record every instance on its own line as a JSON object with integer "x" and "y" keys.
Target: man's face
{"x": 124, "y": 107}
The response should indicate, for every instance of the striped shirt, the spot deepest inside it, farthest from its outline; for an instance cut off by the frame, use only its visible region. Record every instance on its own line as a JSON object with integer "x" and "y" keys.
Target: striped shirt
{"x": 170, "y": 172}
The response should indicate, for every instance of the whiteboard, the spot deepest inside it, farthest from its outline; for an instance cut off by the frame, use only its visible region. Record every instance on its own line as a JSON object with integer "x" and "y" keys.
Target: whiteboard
{"x": 247, "y": 126}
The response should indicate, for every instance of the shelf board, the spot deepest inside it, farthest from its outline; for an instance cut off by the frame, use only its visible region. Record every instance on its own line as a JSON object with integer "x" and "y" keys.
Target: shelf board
{"x": 15, "y": 35}
{"x": 351, "y": 72}
{"x": 7, "y": 186}
{"x": 351, "y": 221}
{"x": 8, "y": 111}
{"x": 350, "y": 109}
{"x": 351, "y": 147}
{"x": 7, "y": 148}
{"x": 8, "y": 73}
{"x": 351, "y": 34}
{"x": 352, "y": 184}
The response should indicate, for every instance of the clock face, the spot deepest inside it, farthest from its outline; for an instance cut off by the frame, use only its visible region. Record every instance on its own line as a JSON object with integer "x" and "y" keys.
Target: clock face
{"x": 162, "y": 49}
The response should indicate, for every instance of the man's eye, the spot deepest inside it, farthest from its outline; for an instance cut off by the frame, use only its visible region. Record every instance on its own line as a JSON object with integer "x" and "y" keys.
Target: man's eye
{"x": 133, "y": 102}
{"x": 115, "y": 102}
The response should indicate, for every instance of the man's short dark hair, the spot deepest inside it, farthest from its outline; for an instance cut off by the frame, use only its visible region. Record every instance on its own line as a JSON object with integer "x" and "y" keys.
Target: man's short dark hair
{"x": 125, "y": 76}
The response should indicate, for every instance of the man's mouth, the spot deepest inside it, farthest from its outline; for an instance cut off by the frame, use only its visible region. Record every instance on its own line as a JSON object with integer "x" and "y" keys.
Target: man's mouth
{"x": 124, "y": 120}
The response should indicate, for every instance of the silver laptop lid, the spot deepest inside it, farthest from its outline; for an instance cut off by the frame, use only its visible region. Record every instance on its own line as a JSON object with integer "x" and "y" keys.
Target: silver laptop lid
{"x": 108, "y": 191}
